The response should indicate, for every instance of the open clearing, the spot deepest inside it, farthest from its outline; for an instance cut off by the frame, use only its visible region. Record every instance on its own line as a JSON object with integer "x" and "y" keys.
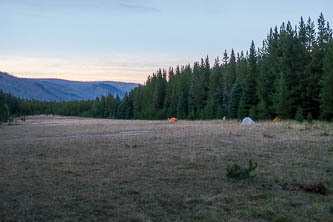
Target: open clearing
{"x": 77, "y": 169}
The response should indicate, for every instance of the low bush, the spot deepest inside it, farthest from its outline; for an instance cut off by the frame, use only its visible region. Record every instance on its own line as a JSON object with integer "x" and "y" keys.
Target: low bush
{"x": 237, "y": 172}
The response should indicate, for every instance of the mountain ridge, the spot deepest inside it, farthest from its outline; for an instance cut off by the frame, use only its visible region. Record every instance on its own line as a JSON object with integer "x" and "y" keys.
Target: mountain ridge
{"x": 53, "y": 89}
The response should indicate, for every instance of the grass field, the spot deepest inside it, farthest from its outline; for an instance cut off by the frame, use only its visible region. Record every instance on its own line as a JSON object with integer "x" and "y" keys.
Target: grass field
{"x": 76, "y": 169}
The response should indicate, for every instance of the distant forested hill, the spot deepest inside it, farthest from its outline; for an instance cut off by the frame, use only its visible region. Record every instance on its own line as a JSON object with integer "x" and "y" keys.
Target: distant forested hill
{"x": 61, "y": 90}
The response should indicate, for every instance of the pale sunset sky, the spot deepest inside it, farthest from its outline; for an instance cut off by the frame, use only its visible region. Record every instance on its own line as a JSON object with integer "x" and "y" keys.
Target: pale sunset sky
{"x": 127, "y": 40}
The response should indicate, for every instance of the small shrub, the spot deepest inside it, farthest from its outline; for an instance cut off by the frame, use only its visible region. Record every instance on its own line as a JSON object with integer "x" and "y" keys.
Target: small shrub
{"x": 253, "y": 113}
{"x": 330, "y": 149}
{"x": 283, "y": 218}
{"x": 309, "y": 118}
{"x": 266, "y": 135}
{"x": 265, "y": 212}
{"x": 316, "y": 188}
{"x": 11, "y": 119}
{"x": 4, "y": 112}
{"x": 313, "y": 188}
{"x": 324, "y": 133}
{"x": 237, "y": 172}
{"x": 331, "y": 209}
{"x": 299, "y": 114}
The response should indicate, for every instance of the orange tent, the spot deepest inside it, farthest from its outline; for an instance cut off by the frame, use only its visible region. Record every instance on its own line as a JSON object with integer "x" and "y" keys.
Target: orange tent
{"x": 276, "y": 119}
{"x": 173, "y": 119}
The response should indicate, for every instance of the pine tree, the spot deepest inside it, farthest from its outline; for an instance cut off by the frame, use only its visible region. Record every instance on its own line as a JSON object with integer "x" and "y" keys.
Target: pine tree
{"x": 183, "y": 88}
{"x": 253, "y": 112}
{"x": 289, "y": 68}
{"x": 309, "y": 118}
{"x": 262, "y": 111}
{"x": 198, "y": 88}
{"x": 116, "y": 110}
{"x": 241, "y": 113}
{"x": 182, "y": 106}
{"x": 299, "y": 114}
{"x": 210, "y": 110}
{"x": 302, "y": 60}
{"x": 235, "y": 96}
{"x": 326, "y": 95}
{"x": 250, "y": 91}
{"x": 282, "y": 99}
{"x": 265, "y": 80}
{"x": 229, "y": 66}
{"x": 310, "y": 35}
{"x": 215, "y": 94}
{"x": 4, "y": 112}
{"x": 219, "y": 113}
{"x": 315, "y": 68}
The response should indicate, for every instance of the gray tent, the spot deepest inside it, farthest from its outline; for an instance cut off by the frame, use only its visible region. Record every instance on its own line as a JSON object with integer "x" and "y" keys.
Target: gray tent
{"x": 247, "y": 121}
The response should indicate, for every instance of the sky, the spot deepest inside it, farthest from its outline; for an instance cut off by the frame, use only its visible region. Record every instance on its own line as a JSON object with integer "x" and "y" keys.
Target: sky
{"x": 127, "y": 40}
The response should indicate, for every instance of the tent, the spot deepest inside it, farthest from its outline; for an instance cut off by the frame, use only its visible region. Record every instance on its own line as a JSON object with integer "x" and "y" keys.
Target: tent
{"x": 276, "y": 119}
{"x": 173, "y": 119}
{"x": 247, "y": 121}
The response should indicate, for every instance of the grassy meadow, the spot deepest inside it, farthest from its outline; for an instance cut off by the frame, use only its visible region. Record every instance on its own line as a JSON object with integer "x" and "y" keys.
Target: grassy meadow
{"x": 78, "y": 169}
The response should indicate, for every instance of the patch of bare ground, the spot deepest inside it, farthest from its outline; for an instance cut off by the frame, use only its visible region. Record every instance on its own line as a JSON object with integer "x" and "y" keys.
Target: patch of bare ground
{"x": 75, "y": 169}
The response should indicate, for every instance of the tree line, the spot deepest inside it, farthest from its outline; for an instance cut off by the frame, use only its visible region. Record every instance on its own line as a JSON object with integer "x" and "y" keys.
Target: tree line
{"x": 103, "y": 107}
{"x": 291, "y": 72}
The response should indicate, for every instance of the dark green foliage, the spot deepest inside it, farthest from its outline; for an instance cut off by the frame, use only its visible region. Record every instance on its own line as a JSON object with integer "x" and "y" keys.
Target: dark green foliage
{"x": 251, "y": 84}
{"x": 241, "y": 109}
{"x": 237, "y": 172}
{"x": 4, "y": 113}
{"x": 262, "y": 111}
{"x": 326, "y": 95}
{"x": 235, "y": 96}
{"x": 9, "y": 105}
{"x": 324, "y": 133}
{"x": 282, "y": 100}
{"x": 299, "y": 114}
{"x": 219, "y": 113}
{"x": 182, "y": 106}
{"x": 331, "y": 209}
{"x": 309, "y": 118}
{"x": 253, "y": 113}
{"x": 104, "y": 107}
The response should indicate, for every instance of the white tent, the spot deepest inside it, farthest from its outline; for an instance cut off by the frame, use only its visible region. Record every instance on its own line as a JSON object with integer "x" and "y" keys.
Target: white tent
{"x": 247, "y": 121}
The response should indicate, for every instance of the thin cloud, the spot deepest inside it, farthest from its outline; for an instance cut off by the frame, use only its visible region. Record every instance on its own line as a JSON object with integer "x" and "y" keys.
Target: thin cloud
{"x": 142, "y": 6}
{"x": 133, "y": 5}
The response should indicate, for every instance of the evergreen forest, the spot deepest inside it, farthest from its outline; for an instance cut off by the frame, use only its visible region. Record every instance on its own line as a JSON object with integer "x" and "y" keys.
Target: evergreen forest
{"x": 290, "y": 72}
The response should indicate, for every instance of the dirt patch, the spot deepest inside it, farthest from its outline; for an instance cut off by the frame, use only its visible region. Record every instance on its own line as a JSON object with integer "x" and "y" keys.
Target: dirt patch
{"x": 314, "y": 188}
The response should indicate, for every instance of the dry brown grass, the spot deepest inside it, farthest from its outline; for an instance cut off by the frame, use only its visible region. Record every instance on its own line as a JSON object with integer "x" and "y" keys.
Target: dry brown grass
{"x": 70, "y": 169}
